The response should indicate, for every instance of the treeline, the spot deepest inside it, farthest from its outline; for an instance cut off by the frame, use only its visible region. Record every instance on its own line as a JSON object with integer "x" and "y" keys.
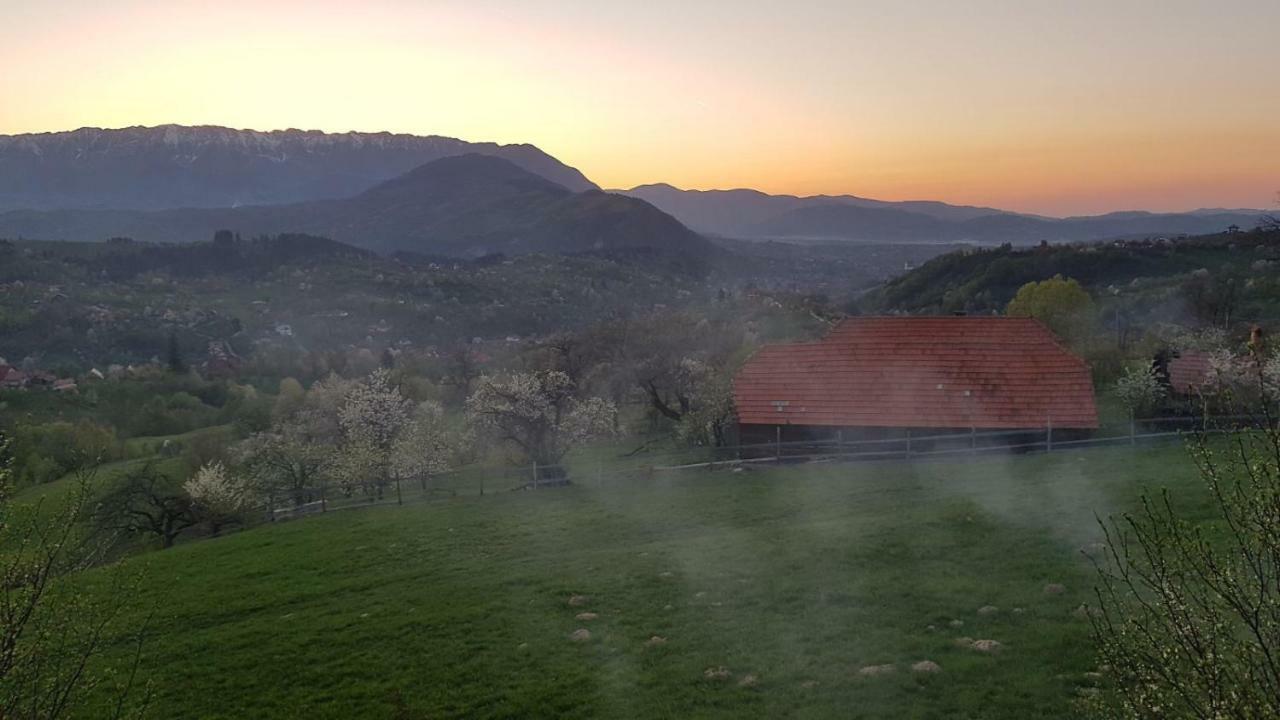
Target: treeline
{"x": 983, "y": 280}
{"x": 53, "y": 435}
{"x": 121, "y": 258}
{"x": 360, "y": 427}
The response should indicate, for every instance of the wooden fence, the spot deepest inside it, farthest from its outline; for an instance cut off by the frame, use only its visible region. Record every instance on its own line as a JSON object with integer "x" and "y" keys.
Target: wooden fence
{"x": 481, "y": 480}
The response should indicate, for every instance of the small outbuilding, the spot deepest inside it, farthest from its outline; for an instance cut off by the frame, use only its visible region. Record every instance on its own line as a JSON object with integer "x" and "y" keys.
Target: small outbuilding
{"x": 1185, "y": 372}
{"x": 891, "y": 377}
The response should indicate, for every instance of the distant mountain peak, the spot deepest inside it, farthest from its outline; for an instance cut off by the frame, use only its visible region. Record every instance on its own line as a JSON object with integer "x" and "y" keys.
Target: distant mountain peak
{"x": 469, "y": 166}
{"x": 464, "y": 205}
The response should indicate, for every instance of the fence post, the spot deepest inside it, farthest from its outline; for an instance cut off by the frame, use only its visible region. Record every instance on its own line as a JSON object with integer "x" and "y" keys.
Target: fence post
{"x": 973, "y": 439}
{"x": 908, "y": 443}
{"x": 1048, "y": 433}
{"x": 535, "y": 474}
{"x": 481, "y": 483}
{"x": 399, "y": 497}
{"x": 324, "y": 503}
{"x": 1133, "y": 429}
{"x": 778, "y": 454}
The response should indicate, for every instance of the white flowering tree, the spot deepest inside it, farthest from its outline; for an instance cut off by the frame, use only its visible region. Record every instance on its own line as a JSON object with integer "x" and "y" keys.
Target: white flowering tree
{"x": 710, "y": 409}
{"x": 372, "y": 418}
{"x": 295, "y": 457}
{"x": 1140, "y": 390}
{"x": 362, "y": 435}
{"x": 426, "y": 446}
{"x": 539, "y": 414}
{"x": 1248, "y": 382}
{"x": 219, "y": 496}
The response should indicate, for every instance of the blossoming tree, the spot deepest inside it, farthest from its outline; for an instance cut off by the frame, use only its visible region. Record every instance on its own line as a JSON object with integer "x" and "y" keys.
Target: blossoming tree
{"x": 539, "y": 413}
{"x": 218, "y": 496}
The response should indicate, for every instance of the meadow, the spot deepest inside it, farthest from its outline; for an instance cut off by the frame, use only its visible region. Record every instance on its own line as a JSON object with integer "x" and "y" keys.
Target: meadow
{"x": 726, "y": 594}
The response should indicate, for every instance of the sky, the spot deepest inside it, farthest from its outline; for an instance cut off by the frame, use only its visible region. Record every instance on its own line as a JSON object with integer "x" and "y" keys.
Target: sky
{"x": 1038, "y": 106}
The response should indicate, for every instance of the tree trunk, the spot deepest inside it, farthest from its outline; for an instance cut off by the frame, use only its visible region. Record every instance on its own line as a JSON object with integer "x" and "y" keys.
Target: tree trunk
{"x": 655, "y": 399}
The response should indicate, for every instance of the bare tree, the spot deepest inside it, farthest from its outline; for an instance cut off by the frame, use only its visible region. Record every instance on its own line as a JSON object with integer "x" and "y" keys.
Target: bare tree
{"x": 150, "y": 502}
{"x": 49, "y": 631}
{"x": 1189, "y": 618}
{"x": 666, "y": 351}
{"x": 461, "y": 369}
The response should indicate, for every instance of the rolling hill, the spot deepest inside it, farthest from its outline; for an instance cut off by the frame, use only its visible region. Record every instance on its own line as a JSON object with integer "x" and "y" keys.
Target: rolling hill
{"x": 464, "y": 206}
{"x": 742, "y": 212}
{"x": 1153, "y": 281}
{"x": 170, "y": 166}
{"x": 753, "y": 214}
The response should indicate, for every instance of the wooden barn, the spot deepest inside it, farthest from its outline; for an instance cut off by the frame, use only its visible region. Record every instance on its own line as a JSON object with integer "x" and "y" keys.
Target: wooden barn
{"x": 892, "y": 377}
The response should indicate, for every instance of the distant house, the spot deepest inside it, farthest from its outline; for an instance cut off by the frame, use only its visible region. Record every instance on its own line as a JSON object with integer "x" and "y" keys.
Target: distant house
{"x": 41, "y": 379}
{"x": 222, "y": 361}
{"x": 14, "y": 379}
{"x": 64, "y": 385}
{"x": 890, "y": 377}
{"x": 1184, "y": 372}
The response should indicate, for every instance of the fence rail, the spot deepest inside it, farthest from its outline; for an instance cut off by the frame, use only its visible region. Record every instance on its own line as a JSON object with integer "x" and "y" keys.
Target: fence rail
{"x": 482, "y": 480}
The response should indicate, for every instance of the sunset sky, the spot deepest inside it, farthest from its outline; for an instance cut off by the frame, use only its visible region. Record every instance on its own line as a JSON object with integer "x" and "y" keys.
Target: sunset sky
{"x": 1050, "y": 107}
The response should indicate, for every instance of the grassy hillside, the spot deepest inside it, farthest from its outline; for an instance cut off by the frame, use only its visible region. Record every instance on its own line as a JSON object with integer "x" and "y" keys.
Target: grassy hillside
{"x": 792, "y": 579}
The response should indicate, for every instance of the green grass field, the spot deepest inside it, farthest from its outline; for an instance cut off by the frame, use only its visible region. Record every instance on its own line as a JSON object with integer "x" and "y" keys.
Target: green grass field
{"x": 792, "y": 578}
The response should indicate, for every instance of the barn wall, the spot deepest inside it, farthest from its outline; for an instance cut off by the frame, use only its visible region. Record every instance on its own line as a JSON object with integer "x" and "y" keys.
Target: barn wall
{"x": 951, "y": 438}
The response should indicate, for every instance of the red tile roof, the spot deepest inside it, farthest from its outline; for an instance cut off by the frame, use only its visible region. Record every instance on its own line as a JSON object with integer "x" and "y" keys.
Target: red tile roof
{"x": 921, "y": 372}
{"x": 1189, "y": 371}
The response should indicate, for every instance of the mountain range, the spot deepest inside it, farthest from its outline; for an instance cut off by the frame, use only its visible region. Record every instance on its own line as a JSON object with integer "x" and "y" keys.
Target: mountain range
{"x": 753, "y": 214}
{"x": 441, "y": 195}
{"x": 170, "y": 166}
{"x": 464, "y": 205}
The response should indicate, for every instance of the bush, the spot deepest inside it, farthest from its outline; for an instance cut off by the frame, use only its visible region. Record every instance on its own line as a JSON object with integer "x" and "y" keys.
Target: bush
{"x": 43, "y": 453}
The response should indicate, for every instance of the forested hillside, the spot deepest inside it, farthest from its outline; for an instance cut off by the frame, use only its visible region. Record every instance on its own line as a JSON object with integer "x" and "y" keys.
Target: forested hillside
{"x": 1214, "y": 278}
